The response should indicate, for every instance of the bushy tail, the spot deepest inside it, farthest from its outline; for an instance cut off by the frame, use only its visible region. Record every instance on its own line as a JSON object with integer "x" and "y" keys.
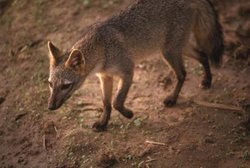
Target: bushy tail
{"x": 208, "y": 32}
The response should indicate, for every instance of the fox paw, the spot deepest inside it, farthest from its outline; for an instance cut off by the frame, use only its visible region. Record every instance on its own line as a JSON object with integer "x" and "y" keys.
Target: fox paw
{"x": 127, "y": 113}
{"x": 205, "y": 84}
{"x": 170, "y": 101}
{"x": 99, "y": 127}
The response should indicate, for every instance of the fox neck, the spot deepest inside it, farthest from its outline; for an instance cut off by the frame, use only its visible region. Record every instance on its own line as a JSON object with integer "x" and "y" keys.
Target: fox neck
{"x": 93, "y": 55}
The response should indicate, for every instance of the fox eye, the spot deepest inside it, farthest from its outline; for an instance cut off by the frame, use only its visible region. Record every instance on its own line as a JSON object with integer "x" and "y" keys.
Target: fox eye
{"x": 66, "y": 86}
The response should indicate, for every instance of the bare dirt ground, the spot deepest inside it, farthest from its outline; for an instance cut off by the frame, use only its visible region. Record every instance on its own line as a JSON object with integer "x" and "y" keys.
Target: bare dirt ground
{"x": 189, "y": 135}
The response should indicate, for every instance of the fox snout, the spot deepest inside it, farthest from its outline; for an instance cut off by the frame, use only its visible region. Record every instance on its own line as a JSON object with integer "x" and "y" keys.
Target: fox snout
{"x": 56, "y": 100}
{"x": 52, "y": 107}
{"x": 52, "y": 104}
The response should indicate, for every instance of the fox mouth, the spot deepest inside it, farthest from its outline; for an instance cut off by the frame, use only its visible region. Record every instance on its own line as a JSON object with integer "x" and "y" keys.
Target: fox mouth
{"x": 65, "y": 99}
{"x": 57, "y": 106}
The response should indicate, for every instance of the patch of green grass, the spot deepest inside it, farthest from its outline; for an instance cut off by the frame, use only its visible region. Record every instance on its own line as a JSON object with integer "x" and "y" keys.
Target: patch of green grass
{"x": 86, "y": 3}
{"x": 198, "y": 70}
{"x": 138, "y": 121}
{"x": 246, "y": 155}
{"x": 81, "y": 121}
{"x": 39, "y": 2}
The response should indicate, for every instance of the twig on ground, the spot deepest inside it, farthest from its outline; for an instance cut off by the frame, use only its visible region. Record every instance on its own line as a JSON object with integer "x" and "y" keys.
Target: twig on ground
{"x": 147, "y": 165}
{"x": 19, "y": 116}
{"x": 55, "y": 129}
{"x": 44, "y": 142}
{"x": 140, "y": 164}
{"x": 218, "y": 105}
{"x": 92, "y": 109}
{"x": 150, "y": 160}
{"x": 155, "y": 143}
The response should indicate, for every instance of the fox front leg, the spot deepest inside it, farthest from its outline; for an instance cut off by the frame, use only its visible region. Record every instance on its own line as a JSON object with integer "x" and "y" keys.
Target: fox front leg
{"x": 123, "y": 88}
{"x": 106, "y": 87}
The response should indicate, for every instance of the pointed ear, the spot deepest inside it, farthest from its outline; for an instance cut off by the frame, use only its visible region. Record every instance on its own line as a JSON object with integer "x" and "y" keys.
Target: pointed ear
{"x": 76, "y": 60}
{"x": 54, "y": 53}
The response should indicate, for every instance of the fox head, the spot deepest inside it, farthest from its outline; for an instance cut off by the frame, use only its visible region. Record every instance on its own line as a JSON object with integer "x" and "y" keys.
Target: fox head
{"x": 66, "y": 75}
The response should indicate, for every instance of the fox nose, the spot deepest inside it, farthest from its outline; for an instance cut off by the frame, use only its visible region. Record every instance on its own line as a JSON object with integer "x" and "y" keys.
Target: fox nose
{"x": 52, "y": 102}
{"x": 52, "y": 107}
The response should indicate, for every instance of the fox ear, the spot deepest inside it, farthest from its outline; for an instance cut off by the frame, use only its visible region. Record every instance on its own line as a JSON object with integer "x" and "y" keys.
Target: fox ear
{"x": 54, "y": 53}
{"x": 76, "y": 60}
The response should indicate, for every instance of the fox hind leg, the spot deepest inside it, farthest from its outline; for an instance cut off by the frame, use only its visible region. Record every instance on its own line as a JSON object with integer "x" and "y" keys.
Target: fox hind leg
{"x": 172, "y": 53}
{"x": 202, "y": 58}
{"x": 176, "y": 63}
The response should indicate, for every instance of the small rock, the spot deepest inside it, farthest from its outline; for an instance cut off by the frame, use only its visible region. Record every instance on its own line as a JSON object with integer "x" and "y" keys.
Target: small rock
{"x": 209, "y": 140}
{"x": 1, "y": 132}
{"x": 244, "y": 10}
{"x": 19, "y": 116}
{"x": 49, "y": 127}
{"x": 4, "y": 4}
{"x": 107, "y": 160}
{"x": 2, "y": 99}
{"x": 241, "y": 52}
{"x": 20, "y": 160}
